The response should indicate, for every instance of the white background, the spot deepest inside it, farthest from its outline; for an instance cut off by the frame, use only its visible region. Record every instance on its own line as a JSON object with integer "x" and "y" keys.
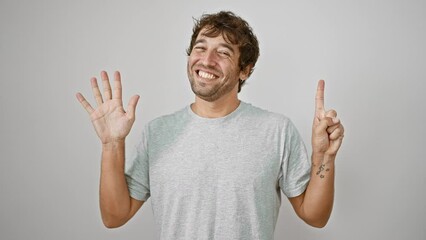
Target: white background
{"x": 372, "y": 55}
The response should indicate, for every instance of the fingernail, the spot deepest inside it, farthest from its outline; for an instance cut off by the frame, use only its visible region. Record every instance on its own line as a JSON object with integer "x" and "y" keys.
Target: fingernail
{"x": 336, "y": 120}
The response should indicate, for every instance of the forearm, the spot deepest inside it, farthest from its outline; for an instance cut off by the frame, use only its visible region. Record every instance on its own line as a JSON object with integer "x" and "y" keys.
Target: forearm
{"x": 318, "y": 200}
{"x": 315, "y": 204}
{"x": 114, "y": 194}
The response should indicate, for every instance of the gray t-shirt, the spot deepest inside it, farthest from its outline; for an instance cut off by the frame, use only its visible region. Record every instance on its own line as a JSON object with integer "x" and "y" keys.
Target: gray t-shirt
{"x": 218, "y": 178}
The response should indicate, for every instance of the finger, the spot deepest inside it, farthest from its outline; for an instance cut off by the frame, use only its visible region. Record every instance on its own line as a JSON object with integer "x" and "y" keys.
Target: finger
{"x": 106, "y": 85}
{"x": 335, "y": 145}
{"x": 319, "y": 100}
{"x": 330, "y": 129}
{"x": 96, "y": 92}
{"x": 131, "y": 107}
{"x": 84, "y": 103}
{"x": 337, "y": 133}
{"x": 323, "y": 124}
{"x": 331, "y": 113}
{"x": 117, "y": 86}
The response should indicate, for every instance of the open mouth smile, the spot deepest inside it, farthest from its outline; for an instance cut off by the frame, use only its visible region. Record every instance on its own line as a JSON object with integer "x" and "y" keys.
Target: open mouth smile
{"x": 205, "y": 75}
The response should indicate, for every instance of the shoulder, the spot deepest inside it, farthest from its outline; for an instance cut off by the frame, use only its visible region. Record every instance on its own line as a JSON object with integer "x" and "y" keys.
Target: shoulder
{"x": 265, "y": 116}
{"x": 266, "y": 120}
{"x": 169, "y": 120}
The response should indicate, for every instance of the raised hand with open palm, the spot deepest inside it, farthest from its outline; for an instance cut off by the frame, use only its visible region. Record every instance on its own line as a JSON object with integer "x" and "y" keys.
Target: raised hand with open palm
{"x": 112, "y": 123}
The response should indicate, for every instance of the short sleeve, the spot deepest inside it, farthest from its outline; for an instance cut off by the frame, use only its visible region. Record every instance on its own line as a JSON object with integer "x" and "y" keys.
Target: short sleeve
{"x": 295, "y": 167}
{"x": 137, "y": 170}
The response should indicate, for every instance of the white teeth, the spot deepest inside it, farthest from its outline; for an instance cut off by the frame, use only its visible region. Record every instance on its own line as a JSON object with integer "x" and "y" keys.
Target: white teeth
{"x": 205, "y": 75}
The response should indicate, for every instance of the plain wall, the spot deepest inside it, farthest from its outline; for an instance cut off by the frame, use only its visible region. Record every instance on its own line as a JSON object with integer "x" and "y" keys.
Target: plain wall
{"x": 372, "y": 55}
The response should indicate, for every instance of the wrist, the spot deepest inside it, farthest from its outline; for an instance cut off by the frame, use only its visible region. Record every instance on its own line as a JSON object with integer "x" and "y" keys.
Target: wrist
{"x": 322, "y": 158}
{"x": 113, "y": 144}
{"x": 322, "y": 165}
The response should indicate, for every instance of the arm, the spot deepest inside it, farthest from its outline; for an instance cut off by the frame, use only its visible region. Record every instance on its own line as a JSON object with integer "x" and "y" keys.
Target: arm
{"x": 315, "y": 204}
{"x": 112, "y": 125}
{"x": 117, "y": 207}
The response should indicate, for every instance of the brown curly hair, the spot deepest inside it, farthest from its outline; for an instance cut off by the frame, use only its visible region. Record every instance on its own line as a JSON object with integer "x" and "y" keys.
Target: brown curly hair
{"x": 234, "y": 30}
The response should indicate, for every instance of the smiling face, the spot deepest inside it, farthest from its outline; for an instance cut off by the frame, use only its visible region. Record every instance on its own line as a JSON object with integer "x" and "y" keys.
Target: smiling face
{"x": 213, "y": 68}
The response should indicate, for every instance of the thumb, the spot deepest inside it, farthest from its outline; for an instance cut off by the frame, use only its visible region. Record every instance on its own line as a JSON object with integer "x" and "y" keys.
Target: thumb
{"x": 131, "y": 107}
{"x": 324, "y": 123}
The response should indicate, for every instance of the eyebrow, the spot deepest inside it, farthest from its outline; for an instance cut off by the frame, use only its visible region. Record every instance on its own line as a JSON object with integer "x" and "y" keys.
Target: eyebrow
{"x": 225, "y": 45}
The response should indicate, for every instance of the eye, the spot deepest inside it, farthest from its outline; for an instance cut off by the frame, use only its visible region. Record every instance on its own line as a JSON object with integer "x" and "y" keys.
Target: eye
{"x": 224, "y": 53}
{"x": 199, "y": 48}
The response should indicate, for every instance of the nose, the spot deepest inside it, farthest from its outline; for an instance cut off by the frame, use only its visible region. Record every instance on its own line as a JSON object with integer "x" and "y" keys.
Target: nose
{"x": 209, "y": 58}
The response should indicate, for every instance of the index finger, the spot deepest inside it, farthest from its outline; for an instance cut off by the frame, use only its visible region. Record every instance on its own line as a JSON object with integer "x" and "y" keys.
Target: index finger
{"x": 319, "y": 99}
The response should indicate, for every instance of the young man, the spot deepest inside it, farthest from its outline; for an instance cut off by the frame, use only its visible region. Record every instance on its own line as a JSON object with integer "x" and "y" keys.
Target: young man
{"x": 215, "y": 169}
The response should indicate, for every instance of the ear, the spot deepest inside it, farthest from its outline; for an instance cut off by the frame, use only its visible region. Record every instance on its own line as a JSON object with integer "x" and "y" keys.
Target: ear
{"x": 244, "y": 73}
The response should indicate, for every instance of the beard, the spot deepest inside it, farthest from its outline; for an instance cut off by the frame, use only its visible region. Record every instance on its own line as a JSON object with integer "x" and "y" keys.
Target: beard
{"x": 211, "y": 92}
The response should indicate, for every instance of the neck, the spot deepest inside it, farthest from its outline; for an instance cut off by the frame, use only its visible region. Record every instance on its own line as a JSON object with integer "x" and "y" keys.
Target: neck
{"x": 215, "y": 109}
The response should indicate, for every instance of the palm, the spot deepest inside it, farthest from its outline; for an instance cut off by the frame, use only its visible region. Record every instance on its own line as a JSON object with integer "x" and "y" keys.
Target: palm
{"x": 110, "y": 120}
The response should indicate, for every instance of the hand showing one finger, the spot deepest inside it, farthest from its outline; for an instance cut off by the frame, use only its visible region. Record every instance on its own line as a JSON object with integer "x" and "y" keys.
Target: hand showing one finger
{"x": 327, "y": 130}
